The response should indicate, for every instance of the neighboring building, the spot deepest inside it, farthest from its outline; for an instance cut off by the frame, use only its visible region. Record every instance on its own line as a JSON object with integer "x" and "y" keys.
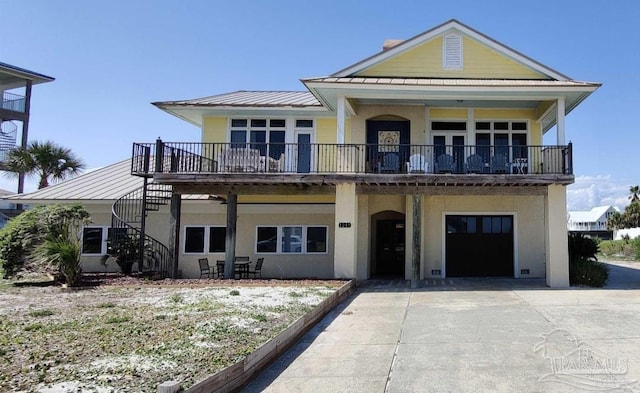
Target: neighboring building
{"x": 15, "y": 87}
{"x": 422, "y": 161}
{"x": 620, "y": 234}
{"x": 593, "y": 222}
{"x": 8, "y": 209}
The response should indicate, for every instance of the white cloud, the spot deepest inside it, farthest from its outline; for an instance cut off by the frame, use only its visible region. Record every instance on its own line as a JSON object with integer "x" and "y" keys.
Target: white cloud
{"x": 590, "y": 191}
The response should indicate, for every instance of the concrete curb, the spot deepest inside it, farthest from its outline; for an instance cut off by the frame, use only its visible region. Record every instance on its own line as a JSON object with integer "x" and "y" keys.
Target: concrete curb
{"x": 235, "y": 376}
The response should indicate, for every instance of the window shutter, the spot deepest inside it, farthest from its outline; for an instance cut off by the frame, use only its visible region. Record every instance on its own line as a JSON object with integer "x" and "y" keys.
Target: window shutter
{"x": 452, "y": 52}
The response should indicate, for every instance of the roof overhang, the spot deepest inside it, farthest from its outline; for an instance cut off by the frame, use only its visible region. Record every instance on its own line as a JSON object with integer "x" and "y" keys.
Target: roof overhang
{"x": 195, "y": 114}
{"x": 462, "y": 93}
{"x": 12, "y": 77}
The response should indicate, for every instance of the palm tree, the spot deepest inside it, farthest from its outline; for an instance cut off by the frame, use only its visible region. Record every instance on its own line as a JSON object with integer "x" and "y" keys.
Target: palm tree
{"x": 635, "y": 193}
{"x": 45, "y": 159}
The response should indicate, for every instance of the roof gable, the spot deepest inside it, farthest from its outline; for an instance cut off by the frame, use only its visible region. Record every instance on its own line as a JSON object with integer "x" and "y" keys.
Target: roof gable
{"x": 422, "y": 57}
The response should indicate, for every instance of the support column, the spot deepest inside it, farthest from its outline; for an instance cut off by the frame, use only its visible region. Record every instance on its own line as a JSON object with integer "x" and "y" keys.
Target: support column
{"x": 560, "y": 107}
{"x": 557, "y": 251}
{"x": 346, "y": 239}
{"x": 25, "y": 132}
{"x": 175, "y": 209}
{"x": 416, "y": 249}
{"x": 341, "y": 120}
{"x": 230, "y": 240}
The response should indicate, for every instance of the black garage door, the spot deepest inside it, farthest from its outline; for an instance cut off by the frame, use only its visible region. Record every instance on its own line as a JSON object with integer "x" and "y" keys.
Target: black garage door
{"x": 479, "y": 246}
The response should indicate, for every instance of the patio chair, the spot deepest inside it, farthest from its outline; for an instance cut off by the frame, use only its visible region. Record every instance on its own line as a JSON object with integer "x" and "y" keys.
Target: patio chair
{"x": 475, "y": 164}
{"x": 499, "y": 164}
{"x": 204, "y": 268}
{"x": 390, "y": 163}
{"x": 445, "y": 163}
{"x": 220, "y": 268}
{"x": 417, "y": 164}
{"x": 257, "y": 270}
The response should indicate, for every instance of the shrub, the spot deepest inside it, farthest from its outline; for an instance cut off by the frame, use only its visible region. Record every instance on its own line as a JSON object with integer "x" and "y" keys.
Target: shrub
{"x": 618, "y": 248}
{"x": 29, "y": 230}
{"x": 636, "y": 248}
{"x": 62, "y": 251}
{"x": 584, "y": 268}
{"x": 581, "y": 247}
{"x": 588, "y": 272}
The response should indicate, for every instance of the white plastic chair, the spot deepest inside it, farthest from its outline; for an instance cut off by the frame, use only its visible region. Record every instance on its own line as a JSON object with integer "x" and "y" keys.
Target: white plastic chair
{"x": 417, "y": 164}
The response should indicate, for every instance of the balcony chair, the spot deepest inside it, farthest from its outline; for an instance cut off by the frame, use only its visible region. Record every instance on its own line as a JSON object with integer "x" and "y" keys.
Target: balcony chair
{"x": 257, "y": 270}
{"x": 475, "y": 164}
{"x": 220, "y": 268}
{"x": 499, "y": 164}
{"x": 390, "y": 163}
{"x": 417, "y": 164}
{"x": 240, "y": 159}
{"x": 204, "y": 268}
{"x": 445, "y": 163}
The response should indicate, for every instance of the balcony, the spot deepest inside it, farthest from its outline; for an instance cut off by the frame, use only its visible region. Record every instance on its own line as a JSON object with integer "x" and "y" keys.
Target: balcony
{"x": 273, "y": 163}
{"x": 13, "y": 102}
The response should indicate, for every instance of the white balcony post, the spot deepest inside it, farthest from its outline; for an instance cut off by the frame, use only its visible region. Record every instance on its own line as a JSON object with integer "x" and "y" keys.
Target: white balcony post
{"x": 560, "y": 107}
{"x": 341, "y": 120}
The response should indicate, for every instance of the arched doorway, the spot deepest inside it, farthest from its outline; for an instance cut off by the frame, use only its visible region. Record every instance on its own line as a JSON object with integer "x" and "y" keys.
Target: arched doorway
{"x": 387, "y": 245}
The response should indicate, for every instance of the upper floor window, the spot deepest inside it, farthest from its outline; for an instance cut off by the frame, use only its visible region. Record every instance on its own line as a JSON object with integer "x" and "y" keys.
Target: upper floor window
{"x": 260, "y": 134}
{"x": 452, "y": 52}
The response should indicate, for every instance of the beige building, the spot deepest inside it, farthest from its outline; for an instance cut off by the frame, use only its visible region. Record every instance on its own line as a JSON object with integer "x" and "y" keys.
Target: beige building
{"x": 425, "y": 160}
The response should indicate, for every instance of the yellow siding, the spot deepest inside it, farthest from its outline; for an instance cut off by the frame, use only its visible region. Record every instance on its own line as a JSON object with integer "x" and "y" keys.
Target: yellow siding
{"x": 326, "y": 130}
{"x": 214, "y": 130}
{"x": 441, "y": 113}
{"x": 286, "y": 198}
{"x": 425, "y": 60}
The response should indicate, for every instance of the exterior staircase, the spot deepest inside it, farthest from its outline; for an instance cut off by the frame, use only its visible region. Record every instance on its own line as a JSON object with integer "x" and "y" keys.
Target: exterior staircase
{"x": 128, "y": 241}
{"x": 8, "y": 135}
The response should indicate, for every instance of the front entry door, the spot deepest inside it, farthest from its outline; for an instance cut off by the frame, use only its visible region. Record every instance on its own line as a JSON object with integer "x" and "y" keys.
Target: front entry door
{"x": 390, "y": 243}
{"x": 387, "y": 145}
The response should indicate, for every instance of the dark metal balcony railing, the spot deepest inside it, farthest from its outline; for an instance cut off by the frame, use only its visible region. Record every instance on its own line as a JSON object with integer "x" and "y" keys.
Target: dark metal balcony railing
{"x": 187, "y": 157}
{"x": 13, "y": 102}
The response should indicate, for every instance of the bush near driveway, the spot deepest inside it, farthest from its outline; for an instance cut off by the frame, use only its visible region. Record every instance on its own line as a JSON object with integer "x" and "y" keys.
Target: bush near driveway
{"x": 584, "y": 268}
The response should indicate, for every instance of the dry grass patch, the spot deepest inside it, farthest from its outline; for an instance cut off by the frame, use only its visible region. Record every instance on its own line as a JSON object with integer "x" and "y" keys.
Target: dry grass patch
{"x": 131, "y": 339}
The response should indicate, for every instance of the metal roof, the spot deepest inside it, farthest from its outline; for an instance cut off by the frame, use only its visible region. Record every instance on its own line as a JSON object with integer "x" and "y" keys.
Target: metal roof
{"x": 104, "y": 184}
{"x": 596, "y": 214}
{"x": 451, "y": 82}
{"x": 251, "y": 99}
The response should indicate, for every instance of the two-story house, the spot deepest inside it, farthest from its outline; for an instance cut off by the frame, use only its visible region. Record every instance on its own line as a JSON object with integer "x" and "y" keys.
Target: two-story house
{"x": 425, "y": 160}
{"x": 15, "y": 108}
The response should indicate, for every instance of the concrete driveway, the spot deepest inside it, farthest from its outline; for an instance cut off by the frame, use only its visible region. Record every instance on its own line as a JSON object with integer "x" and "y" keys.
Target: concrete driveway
{"x": 459, "y": 335}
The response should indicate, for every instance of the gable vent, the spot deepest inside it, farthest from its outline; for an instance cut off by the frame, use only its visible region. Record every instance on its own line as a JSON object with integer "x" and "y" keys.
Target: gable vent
{"x": 452, "y": 52}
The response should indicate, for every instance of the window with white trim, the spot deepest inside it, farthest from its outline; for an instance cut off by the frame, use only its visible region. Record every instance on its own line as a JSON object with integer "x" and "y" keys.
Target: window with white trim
{"x": 452, "y": 52}
{"x": 94, "y": 240}
{"x": 502, "y": 134}
{"x": 291, "y": 239}
{"x": 263, "y": 135}
{"x": 204, "y": 239}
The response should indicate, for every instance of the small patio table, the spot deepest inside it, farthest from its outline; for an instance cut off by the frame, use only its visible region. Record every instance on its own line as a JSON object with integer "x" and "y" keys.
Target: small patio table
{"x": 242, "y": 269}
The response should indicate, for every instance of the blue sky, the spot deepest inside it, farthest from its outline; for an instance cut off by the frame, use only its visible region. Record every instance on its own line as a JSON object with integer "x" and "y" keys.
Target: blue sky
{"x": 112, "y": 58}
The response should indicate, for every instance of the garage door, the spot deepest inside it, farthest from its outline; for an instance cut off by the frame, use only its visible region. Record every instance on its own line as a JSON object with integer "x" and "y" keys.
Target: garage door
{"x": 479, "y": 246}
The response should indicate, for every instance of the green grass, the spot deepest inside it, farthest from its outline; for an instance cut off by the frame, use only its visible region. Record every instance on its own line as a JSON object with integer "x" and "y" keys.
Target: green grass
{"x": 41, "y": 313}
